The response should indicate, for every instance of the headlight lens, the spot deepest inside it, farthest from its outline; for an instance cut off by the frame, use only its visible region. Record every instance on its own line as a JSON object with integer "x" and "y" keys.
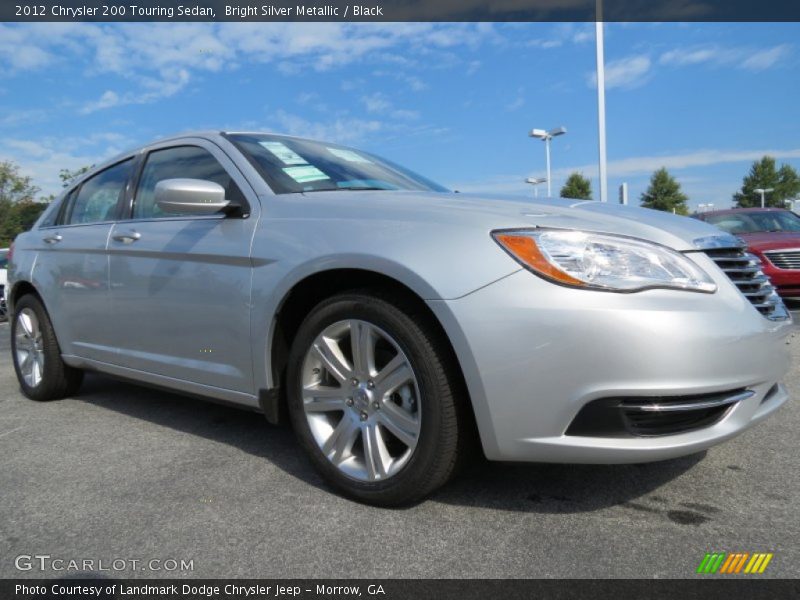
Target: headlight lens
{"x": 602, "y": 262}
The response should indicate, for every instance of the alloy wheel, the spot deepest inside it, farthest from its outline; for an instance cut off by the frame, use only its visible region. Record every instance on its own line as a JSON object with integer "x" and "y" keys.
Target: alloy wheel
{"x": 361, "y": 400}
{"x": 28, "y": 347}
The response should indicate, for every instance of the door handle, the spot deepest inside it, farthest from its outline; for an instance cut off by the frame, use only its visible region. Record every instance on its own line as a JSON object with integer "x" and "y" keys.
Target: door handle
{"x": 128, "y": 237}
{"x": 52, "y": 239}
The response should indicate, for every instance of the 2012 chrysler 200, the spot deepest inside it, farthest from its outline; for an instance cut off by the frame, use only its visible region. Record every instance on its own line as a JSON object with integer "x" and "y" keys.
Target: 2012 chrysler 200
{"x": 392, "y": 321}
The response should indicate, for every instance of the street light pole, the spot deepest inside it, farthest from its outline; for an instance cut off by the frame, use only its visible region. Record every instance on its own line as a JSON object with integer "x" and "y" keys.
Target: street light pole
{"x": 763, "y": 192}
{"x": 549, "y": 177}
{"x": 535, "y": 181}
{"x": 601, "y": 100}
{"x": 546, "y": 136}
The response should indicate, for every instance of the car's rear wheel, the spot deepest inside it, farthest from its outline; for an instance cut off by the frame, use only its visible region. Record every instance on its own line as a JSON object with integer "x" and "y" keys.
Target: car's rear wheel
{"x": 373, "y": 400}
{"x": 41, "y": 373}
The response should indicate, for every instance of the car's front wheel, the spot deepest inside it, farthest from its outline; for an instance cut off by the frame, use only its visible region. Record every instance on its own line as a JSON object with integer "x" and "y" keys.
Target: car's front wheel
{"x": 373, "y": 400}
{"x": 41, "y": 373}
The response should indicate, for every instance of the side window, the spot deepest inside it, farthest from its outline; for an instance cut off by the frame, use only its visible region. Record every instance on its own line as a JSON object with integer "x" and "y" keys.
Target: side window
{"x": 97, "y": 197}
{"x": 54, "y": 215}
{"x": 182, "y": 162}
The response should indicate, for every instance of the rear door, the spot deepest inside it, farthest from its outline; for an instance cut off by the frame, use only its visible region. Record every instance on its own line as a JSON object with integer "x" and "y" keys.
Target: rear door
{"x": 71, "y": 268}
{"x": 180, "y": 285}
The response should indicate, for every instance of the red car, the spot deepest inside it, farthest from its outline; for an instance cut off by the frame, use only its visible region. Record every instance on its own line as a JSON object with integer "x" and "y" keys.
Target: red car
{"x": 773, "y": 235}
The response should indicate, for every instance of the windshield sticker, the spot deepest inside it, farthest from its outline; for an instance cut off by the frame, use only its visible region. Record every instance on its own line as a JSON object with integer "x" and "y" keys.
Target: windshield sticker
{"x": 348, "y": 155}
{"x": 284, "y": 154}
{"x": 305, "y": 173}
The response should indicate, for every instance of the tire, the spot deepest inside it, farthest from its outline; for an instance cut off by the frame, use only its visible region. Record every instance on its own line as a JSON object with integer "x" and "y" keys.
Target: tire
{"x": 32, "y": 336}
{"x": 379, "y": 466}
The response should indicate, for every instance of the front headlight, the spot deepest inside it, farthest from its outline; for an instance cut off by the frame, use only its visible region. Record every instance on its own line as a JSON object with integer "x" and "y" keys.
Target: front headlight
{"x": 600, "y": 261}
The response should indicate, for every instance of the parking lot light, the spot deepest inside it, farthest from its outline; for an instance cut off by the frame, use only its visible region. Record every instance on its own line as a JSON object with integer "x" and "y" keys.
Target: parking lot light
{"x": 546, "y": 136}
{"x": 534, "y": 181}
{"x": 763, "y": 191}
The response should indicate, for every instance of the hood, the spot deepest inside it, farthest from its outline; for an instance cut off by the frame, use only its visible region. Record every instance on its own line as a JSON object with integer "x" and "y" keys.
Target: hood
{"x": 771, "y": 240}
{"x": 498, "y": 212}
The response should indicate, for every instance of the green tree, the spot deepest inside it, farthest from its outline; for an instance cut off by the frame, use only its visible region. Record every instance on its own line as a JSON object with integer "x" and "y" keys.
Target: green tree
{"x": 67, "y": 176}
{"x": 577, "y": 187}
{"x": 664, "y": 193}
{"x": 18, "y": 207}
{"x": 14, "y": 186}
{"x": 27, "y": 211}
{"x": 764, "y": 174}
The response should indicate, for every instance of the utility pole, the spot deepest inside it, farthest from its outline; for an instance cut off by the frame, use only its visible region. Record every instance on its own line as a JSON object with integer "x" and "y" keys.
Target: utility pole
{"x": 601, "y": 100}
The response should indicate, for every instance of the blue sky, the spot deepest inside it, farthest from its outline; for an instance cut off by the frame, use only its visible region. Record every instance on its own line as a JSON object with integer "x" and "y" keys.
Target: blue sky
{"x": 452, "y": 101}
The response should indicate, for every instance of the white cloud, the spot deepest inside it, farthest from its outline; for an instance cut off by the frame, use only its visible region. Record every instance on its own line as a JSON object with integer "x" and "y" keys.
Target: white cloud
{"x": 562, "y": 34}
{"x": 343, "y": 130}
{"x": 766, "y": 58}
{"x": 544, "y": 43}
{"x": 42, "y": 159}
{"x": 379, "y": 104}
{"x": 517, "y": 103}
{"x": 744, "y": 58}
{"x": 376, "y": 103}
{"x": 108, "y": 99}
{"x": 14, "y": 118}
{"x": 625, "y": 73}
{"x": 415, "y": 83}
{"x": 154, "y": 89}
{"x": 43, "y": 163}
{"x": 157, "y": 60}
{"x": 693, "y": 56}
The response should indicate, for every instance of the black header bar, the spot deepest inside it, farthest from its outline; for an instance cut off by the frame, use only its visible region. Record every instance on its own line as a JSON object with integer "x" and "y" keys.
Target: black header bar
{"x": 399, "y": 10}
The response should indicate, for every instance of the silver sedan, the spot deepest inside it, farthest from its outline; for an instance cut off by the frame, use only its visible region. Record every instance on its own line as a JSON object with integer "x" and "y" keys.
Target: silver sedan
{"x": 395, "y": 324}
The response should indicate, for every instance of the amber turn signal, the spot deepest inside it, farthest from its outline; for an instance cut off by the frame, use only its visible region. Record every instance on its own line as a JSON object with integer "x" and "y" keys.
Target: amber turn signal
{"x": 525, "y": 250}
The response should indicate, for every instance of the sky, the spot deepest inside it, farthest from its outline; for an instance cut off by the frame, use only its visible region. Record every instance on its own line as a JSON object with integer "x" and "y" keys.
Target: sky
{"x": 454, "y": 102}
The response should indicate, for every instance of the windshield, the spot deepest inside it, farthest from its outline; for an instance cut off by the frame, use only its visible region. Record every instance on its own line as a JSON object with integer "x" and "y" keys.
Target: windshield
{"x": 754, "y": 222}
{"x": 3, "y": 259}
{"x": 291, "y": 165}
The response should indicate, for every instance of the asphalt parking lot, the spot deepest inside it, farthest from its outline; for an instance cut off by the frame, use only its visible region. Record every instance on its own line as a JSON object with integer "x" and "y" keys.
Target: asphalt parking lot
{"x": 127, "y": 472}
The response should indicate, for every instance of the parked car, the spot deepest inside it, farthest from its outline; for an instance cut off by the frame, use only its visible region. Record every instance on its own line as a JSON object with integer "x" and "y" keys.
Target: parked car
{"x": 772, "y": 235}
{"x": 391, "y": 320}
{"x": 3, "y": 283}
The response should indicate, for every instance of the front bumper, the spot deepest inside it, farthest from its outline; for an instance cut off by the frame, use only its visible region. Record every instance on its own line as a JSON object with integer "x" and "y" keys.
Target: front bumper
{"x": 534, "y": 354}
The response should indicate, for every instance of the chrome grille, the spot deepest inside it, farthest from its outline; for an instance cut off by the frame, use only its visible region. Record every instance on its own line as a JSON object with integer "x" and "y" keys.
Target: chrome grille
{"x": 744, "y": 270}
{"x": 784, "y": 259}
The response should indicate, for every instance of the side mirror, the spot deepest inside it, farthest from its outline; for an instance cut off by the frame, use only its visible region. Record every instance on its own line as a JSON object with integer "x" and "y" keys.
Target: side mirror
{"x": 190, "y": 196}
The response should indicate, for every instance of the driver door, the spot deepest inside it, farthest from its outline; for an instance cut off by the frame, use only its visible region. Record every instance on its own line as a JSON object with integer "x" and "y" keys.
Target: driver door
{"x": 180, "y": 285}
